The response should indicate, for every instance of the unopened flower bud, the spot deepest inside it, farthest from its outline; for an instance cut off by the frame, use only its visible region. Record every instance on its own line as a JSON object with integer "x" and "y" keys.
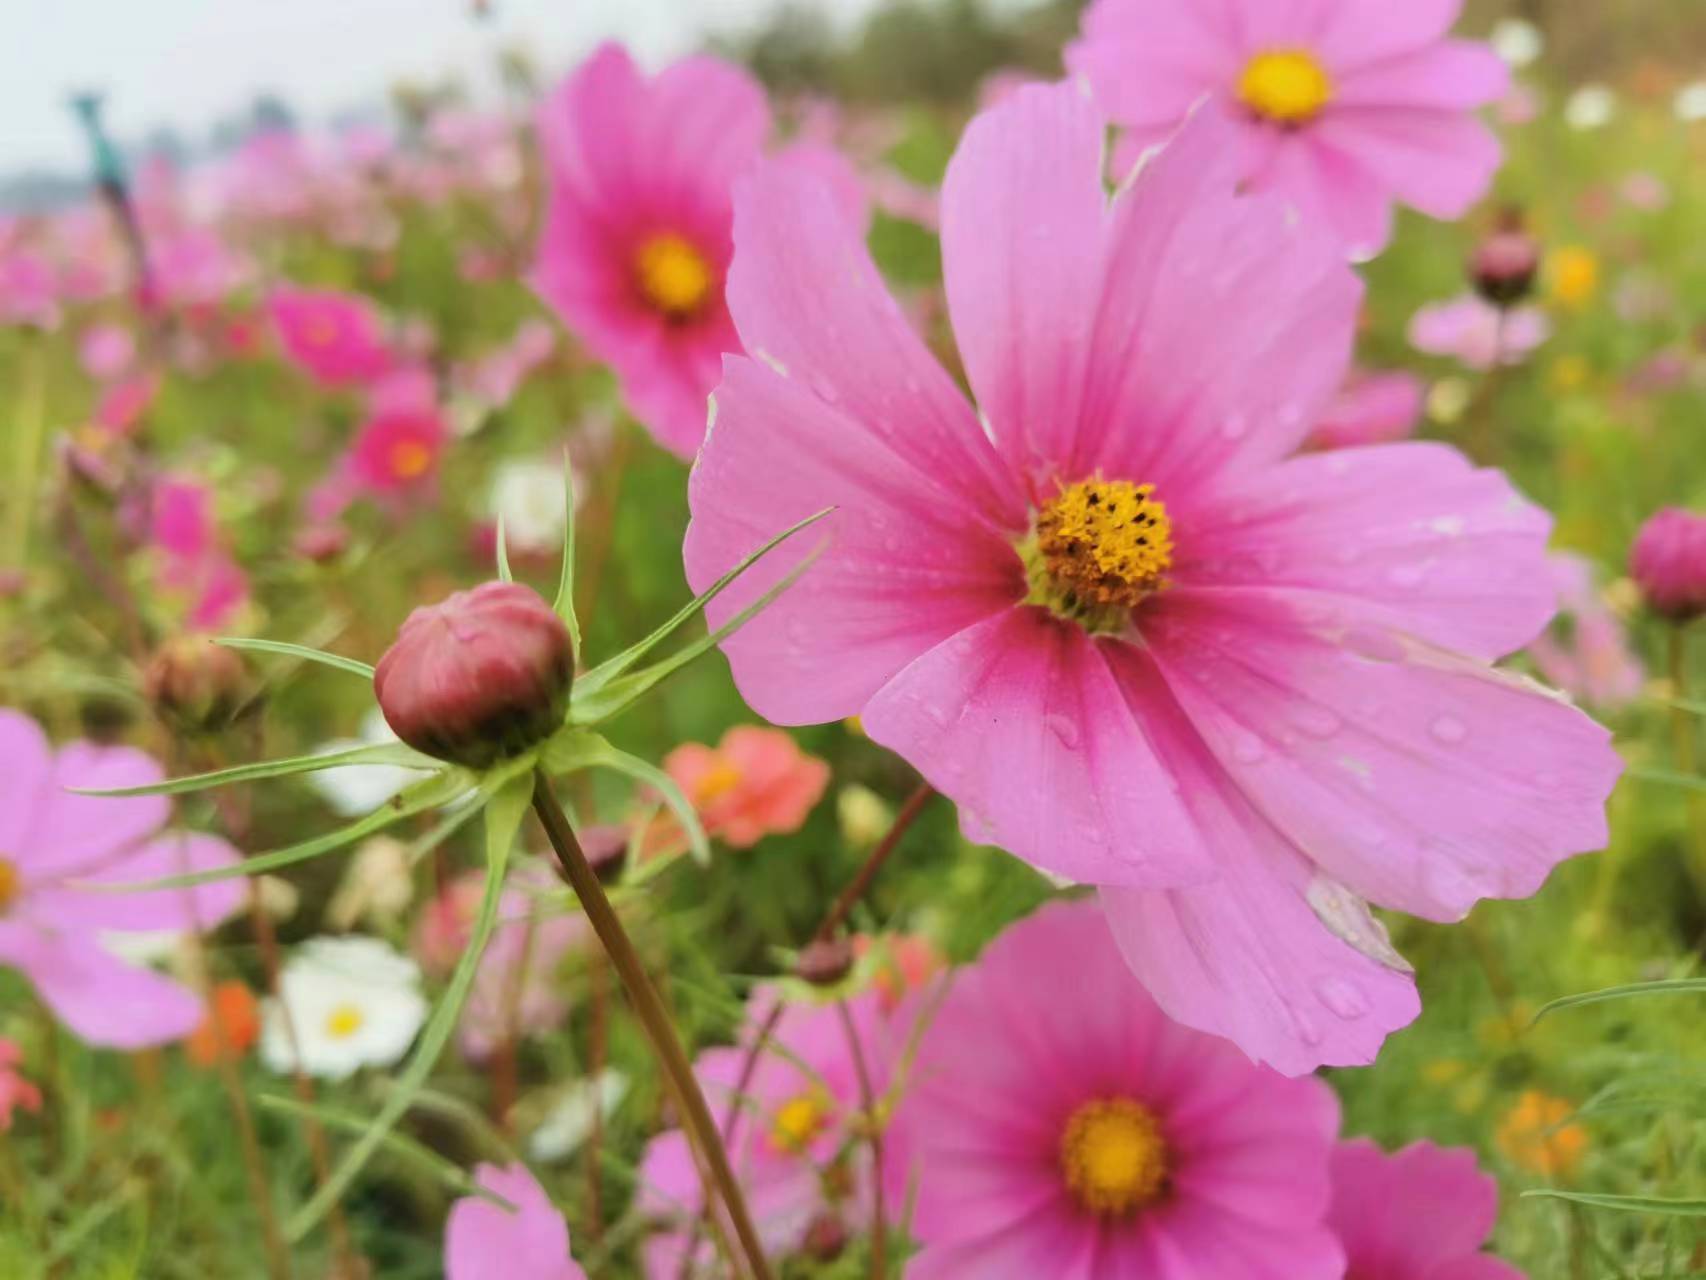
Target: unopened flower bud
{"x": 320, "y": 542}
{"x": 1668, "y": 563}
{"x": 195, "y": 684}
{"x": 483, "y": 675}
{"x": 1504, "y": 265}
{"x": 826, "y": 1238}
{"x": 824, "y": 963}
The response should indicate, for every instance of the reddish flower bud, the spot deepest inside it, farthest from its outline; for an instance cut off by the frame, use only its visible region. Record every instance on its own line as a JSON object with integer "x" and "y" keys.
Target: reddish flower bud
{"x": 195, "y": 684}
{"x": 320, "y": 542}
{"x": 825, "y": 963}
{"x": 826, "y": 1238}
{"x": 1668, "y": 563}
{"x": 1504, "y": 265}
{"x": 483, "y": 675}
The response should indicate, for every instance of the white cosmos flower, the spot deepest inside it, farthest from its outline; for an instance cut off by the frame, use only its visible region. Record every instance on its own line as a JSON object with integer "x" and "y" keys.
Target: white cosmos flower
{"x": 569, "y": 1121}
{"x": 1690, "y": 104}
{"x": 1590, "y": 107}
{"x": 1519, "y": 43}
{"x": 355, "y": 790}
{"x": 528, "y": 496}
{"x": 352, "y": 1003}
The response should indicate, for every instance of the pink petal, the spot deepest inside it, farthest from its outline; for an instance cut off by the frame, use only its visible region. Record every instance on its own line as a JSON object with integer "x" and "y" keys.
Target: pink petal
{"x": 484, "y": 1241}
{"x": 75, "y": 907}
{"x": 1422, "y": 780}
{"x": 1147, "y": 64}
{"x": 1455, "y": 75}
{"x": 1411, "y": 1212}
{"x": 1356, "y": 34}
{"x": 907, "y": 563}
{"x": 1019, "y": 722}
{"x": 73, "y": 833}
{"x": 25, "y": 781}
{"x": 101, "y": 998}
{"x": 1412, "y": 536}
{"x": 1439, "y": 162}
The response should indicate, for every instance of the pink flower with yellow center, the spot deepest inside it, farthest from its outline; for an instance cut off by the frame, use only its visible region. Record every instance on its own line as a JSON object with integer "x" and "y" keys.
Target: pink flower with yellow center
{"x": 486, "y": 1241}
{"x": 1107, "y": 613}
{"x": 1058, "y": 1124}
{"x": 1422, "y": 1213}
{"x": 635, "y": 247}
{"x": 1339, "y": 107}
{"x": 337, "y": 338}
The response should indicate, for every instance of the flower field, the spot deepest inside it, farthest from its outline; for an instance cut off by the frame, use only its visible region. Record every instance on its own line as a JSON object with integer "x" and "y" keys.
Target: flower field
{"x": 1063, "y": 643}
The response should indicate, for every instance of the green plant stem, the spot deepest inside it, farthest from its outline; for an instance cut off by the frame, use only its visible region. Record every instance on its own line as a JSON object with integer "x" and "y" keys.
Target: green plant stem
{"x": 649, "y": 1008}
{"x": 1683, "y": 730}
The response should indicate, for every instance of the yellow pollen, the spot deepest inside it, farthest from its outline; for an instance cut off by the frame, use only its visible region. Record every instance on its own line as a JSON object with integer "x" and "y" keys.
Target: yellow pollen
{"x": 673, "y": 275}
{"x": 8, "y": 882}
{"x": 344, "y": 1021}
{"x": 798, "y": 1121}
{"x": 1286, "y": 86}
{"x": 410, "y": 459}
{"x": 1101, "y": 547}
{"x": 1113, "y": 1157}
{"x": 718, "y": 781}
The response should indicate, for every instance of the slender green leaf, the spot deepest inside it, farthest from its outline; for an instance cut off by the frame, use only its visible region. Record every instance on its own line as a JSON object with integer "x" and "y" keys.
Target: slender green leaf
{"x": 575, "y": 749}
{"x": 429, "y": 793}
{"x": 1667, "y": 987}
{"x": 1669, "y": 777}
{"x": 299, "y": 651}
{"x": 609, "y": 669}
{"x": 1691, "y": 1208}
{"x": 504, "y": 571}
{"x": 392, "y": 753}
{"x": 503, "y": 817}
{"x": 444, "y": 1170}
{"x": 564, "y": 604}
{"x": 616, "y": 695}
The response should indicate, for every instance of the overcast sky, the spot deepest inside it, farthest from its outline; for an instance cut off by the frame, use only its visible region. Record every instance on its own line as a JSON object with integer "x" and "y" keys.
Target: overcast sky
{"x": 186, "y": 63}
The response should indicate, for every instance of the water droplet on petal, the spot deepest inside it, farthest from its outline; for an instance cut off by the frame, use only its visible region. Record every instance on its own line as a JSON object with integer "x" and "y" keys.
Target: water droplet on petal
{"x": 1344, "y": 998}
{"x": 1064, "y": 729}
{"x": 1448, "y": 729}
{"x": 1247, "y": 748}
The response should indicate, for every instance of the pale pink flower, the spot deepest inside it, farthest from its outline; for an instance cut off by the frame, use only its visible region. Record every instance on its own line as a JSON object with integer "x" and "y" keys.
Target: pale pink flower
{"x": 15, "y": 1091}
{"x": 517, "y": 991}
{"x": 57, "y": 850}
{"x": 756, "y": 782}
{"x": 123, "y": 402}
{"x": 1340, "y": 107}
{"x": 106, "y": 351}
{"x": 1422, "y": 1213}
{"x": 485, "y": 1241}
{"x": 194, "y": 267}
{"x": 795, "y": 1117}
{"x": 1269, "y": 702}
{"x": 635, "y": 245}
{"x": 1372, "y": 408}
{"x": 28, "y": 293}
{"x": 446, "y": 923}
{"x": 337, "y": 338}
{"x": 1476, "y": 333}
{"x": 1058, "y": 1124}
{"x": 1586, "y": 651}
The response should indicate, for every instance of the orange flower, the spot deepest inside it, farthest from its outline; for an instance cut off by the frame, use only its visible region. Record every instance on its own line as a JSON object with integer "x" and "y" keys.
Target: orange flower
{"x": 1537, "y": 1135}
{"x": 905, "y": 962}
{"x": 230, "y": 1027}
{"x": 754, "y": 783}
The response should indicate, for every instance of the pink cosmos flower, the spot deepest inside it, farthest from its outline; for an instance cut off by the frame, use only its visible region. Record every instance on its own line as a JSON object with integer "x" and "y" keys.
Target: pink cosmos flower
{"x": 1668, "y": 563}
{"x": 194, "y": 565}
{"x": 485, "y": 1241}
{"x": 123, "y": 402}
{"x": 635, "y": 245}
{"x": 28, "y": 294}
{"x": 398, "y": 450}
{"x": 194, "y": 267}
{"x": 1058, "y": 1124}
{"x": 792, "y": 1121}
{"x": 754, "y": 783}
{"x": 337, "y": 338}
{"x": 106, "y": 350}
{"x": 1340, "y": 107}
{"x": 1372, "y": 408}
{"x": 57, "y": 848}
{"x": 1133, "y": 640}
{"x": 1418, "y": 1214}
{"x": 1478, "y": 334}
{"x": 516, "y": 991}
{"x": 15, "y": 1090}
{"x": 1586, "y": 652}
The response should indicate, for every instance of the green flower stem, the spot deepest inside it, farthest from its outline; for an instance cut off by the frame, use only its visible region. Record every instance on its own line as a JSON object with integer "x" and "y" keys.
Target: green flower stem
{"x": 653, "y": 1017}
{"x": 1682, "y": 726}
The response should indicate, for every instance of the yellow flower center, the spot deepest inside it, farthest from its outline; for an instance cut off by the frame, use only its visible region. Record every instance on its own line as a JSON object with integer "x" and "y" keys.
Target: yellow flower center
{"x": 1113, "y": 1157}
{"x": 344, "y": 1021}
{"x": 9, "y": 880}
{"x": 673, "y": 275}
{"x": 1098, "y": 549}
{"x": 799, "y": 1120}
{"x": 1286, "y": 86}
{"x": 410, "y": 459}
{"x": 718, "y": 781}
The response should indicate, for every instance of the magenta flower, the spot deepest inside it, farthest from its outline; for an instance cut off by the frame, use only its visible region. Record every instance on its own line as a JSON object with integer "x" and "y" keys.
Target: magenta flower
{"x": 1668, "y": 563}
{"x": 635, "y": 245}
{"x": 1372, "y": 408}
{"x": 194, "y": 566}
{"x": 1339, "y": 107}
{"x": 337, "y": 338}
{"x": 1059, "y": 1125}
{"x": 1133, "y": 641}
{"x": 485, "y": 1241}
{"x": 1418, "y": 1214}
{"x": 56, "y": 927}
{"x": 795, "y": 1116}
{"x": 1476, "y": 333}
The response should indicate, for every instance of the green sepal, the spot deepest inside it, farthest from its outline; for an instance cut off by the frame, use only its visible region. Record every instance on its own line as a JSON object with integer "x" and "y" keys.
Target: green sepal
{"x": 504, "y": 810}
{"x": 572, "y": 750}
{"x": 391, "y": 753}
{"x": 353, "y": 666}
{"x": 1692, "y": 1208}
{"x": 564, "y": 604}
{"x": 1664, "y": 987}
{"x": 504, "y": 571}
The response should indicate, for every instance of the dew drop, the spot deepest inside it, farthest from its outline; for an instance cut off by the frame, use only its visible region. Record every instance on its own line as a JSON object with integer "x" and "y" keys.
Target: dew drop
{"x": 1448, "y": 729}
{"x": 1063, "y": 728}
{"x": 1248, "y": 749}
{"x": 1344, "y": 998}
{"x": 1316, "y": 721}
